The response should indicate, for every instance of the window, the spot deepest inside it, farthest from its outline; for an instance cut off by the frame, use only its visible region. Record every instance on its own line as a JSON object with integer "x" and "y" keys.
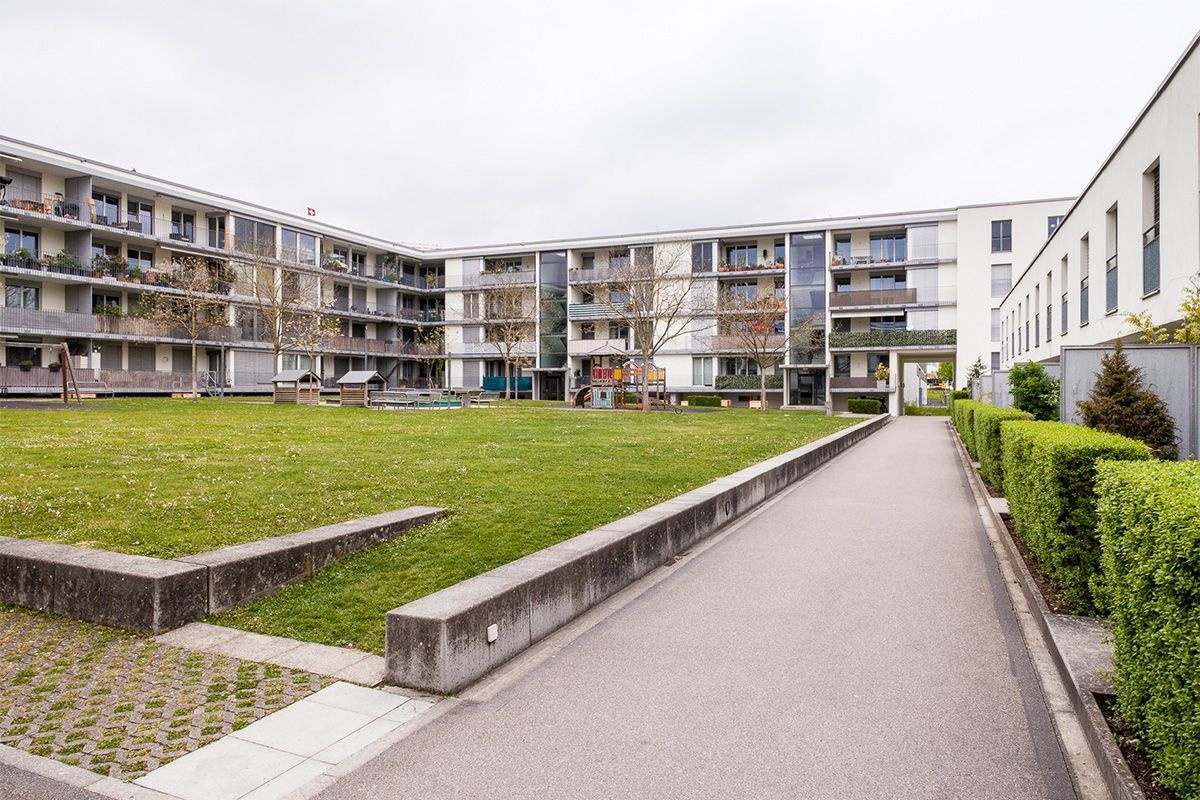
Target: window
{"x": 1001, "y": 279}
{"x": 589, "y": 260}
{"x": 738, "y": 366}
{"x": 995, "y": 324}
{"x": 1150, "y": 246}
{"x": 887, "y": 323}
{"x": 741, "y": 255}
{"x": 841, "y": 283}
{"x": 16, "y": 240}
{"x": 587, "y": 330}
{"x": 250, "y": 236}
{"x": 104, "y": 250}
{"x": 702, "y": 260}
{"x": 300, "y": 248}
{"x": 618, "y": 259}
{"x": 142, "y": 259}
{"x": 744, "y": 290}
{"x": 183, "y": 226}
{"x": 298, "y": 361}
{"x": 702, "y": 372}
{"x": 1002, "y": 236}
{"x": 780, "y": 252}
{"x": 616, "y": 330}
{"x": 841, "y": 249}
{"x": 108, "y": 208}
{"x": 995, "y": 361}
{"x": 889, "y": 247}
{"x": 1110, "y": 264}
{"x": 141, "y": 217}
{"x": 471, "y": 305}
{"x": 841, "y": 366}
{"x": 874, "y": 360}
{"x": 1052, "y": 224}
{"x": 887, "y": 282}
{"x": 358, "y": 262}
{"x": 216, "y": 232}
{"x": 18, "y": 295}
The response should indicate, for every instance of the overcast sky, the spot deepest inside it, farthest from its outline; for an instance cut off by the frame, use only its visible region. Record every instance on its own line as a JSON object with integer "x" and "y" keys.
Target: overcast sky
{"x": 474, "y": 122}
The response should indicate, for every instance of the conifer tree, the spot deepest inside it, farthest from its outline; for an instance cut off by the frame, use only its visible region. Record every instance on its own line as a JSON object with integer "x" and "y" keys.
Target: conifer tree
{"x": 1119, "y": 403}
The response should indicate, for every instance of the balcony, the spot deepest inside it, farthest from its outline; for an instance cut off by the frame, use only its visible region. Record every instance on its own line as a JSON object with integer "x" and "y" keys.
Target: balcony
{"x": 749, "y": 270}
{"x": 358, "y": 344}
{"x": 890, "y": 340}
{"x": 595, "y": 274}
{"x": 866, "y": 298}
{"x": 585, "y": 311}
{"x": 586, "y": 347}
{"x": 735, "y": 344}
{"x": 748, "y": 382}
{"x": 489, "y": 280}
{"x": 845, "y": 383}
{"x": 525, "y": 349}
{"x": 74, "y": 324}
{"x": 42, "y": 380}
{"x": 42, "y": 205}
{"x": 914, "y": 254}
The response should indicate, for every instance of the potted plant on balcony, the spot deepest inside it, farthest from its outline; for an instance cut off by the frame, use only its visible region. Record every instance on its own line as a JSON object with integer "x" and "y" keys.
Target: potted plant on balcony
{"x": 882, "y": 373}
{"x": 25, "y": 365}
{"x": 64, "y": 259}
{"x": 100, "y": 265}
{"x": 118, "y": 267}
{"x": 54, "y": 366}
{"x": 23, "y": 254}
{"x": 135, "y": 275}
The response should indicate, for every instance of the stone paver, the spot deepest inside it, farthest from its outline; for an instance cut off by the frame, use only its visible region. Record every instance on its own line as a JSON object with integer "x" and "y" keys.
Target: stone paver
{"x": 288, "y": 749}
{"x": 121, "y": 704}
{"x": 853, "y": 639}
{"x": 342, "y": 663}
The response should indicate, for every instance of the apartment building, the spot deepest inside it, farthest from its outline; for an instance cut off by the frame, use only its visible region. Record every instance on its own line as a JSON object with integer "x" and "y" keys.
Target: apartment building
{"x": 85, "y": 242}
{"x": 1129, "y": 244}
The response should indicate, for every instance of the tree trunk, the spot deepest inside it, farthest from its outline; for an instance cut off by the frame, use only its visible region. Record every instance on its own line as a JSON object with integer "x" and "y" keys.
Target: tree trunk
{"x": 195, "y": 394}
{"x": 762, "y": 389}
{"x": 645, "y": 381}
{"x": 507, "y": 378}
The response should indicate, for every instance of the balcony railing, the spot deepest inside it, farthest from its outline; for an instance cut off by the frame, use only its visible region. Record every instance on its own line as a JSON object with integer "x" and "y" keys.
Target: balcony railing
{"x": 737, "y": 344}
{"x": 847, "y": 382}
{"x": 913, "y": 254}
{"x": 873, "y": 297}
{"x": 358, "y": 344}
{"x": 70, "y": 323}
{"x": 747, "y": 382}
{"x": 526, "y": 348}
{"x": 55, "y": 205}
{"x": 584, "y": 311}
{"x": 599, "y": 274}
{"x": 484, "y": 280}
{"x": 1151, "y": 273}
{"x": 771, "y": 266}
{"x": 586, "y": 347}
{"x": 892, "y": 339}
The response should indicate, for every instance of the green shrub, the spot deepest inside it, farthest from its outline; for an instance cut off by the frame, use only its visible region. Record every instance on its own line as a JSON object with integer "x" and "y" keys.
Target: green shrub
{"x": 1149, "y": 518}
{"x": 960, "y": 394}
{"x": 1034, "y": 391}
{"x": 748, "y": 382}
{"x": 962, "y": 412}
{"x": 864, "y": 405}
{"x": 1120, "y": 403}
{"x": 914, "y": 410}
{"x": 1049, "y": 475}
{"x": 704, "y": 400}
{"x": 987, "y": 439}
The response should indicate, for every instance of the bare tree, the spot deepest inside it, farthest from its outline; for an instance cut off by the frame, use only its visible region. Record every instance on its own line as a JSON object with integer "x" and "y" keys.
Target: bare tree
{"x": 313, "y": 333}
{"x": 431, "y": 349}
{"x": 509, "y": 317}
{"x": 757, "y": 327}
{"x": 284, "y": 299}
{"x": 651, "y": 293}
{"x": 195, "y": 309}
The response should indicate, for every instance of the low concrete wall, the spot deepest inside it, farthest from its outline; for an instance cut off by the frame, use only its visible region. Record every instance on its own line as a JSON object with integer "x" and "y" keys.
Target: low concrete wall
{"x": 439, "y": 643}
{"x": 155, "y": 594}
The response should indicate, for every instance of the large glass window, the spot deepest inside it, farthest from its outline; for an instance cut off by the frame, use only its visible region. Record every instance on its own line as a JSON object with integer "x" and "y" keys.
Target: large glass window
{"x": 141, "y": 259}
{"x": 16, "y": 241}
{"x": 1052, "y": 223}
{"x": 841, "y": 249}
{"x": 216, "y": 232}
{"x": 995, "y": 324}
{"x": 889, "y": 247}
{"x": 744, "y": 290}
{"x": 250, "y": 236}
{"x": 19, "y": 296}
{"x": 141, "y": 217}
{"x": 887, "y": 282}
{"x": 738, "y": 366}
{"x": 780, "y": 252}
{"x": 299, "y": 248}
{"x": 702, "y": 259}
{"x": 702, "y": 372}
{"x": 841, "y": 366}
{"x": 895, "y": 323}
{"x": 741, "y": 255}
{"x": 1002, "y": 236}
{"x": 108, "y": 208}
{"x": 1001, "y": 279}
{"x": 183, "y": 226}
{"x": 874, "y": 360}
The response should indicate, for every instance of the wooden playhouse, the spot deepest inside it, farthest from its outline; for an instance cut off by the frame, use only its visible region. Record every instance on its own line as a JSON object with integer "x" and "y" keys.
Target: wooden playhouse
{"x": 354, "y": 388}
{"x": 297, "y": 386}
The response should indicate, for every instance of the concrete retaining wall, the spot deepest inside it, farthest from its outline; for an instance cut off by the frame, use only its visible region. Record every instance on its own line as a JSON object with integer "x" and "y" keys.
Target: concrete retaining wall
{"x": 439, "y": 643}
{"x": 156, "y": 594}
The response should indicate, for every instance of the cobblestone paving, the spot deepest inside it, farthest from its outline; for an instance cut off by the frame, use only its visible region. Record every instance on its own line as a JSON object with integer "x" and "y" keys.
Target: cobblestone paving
{"x": 121, "y": 704}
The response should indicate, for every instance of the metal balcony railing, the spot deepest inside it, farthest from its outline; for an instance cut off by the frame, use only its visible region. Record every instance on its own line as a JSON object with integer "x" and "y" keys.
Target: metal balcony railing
{"x": 912, "y": 253}
{"x": 873, "y": 297}
{"x": 771, "y": 266}
{"x": 49, "y": 205}
{"x": 726, "y": 343}
{"x": 585, "y": 311}
{"x": 358, "y": 344}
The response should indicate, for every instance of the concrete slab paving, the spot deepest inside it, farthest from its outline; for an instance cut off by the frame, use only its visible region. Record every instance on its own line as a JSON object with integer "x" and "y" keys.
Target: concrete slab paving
{"x": 288, "y": 750}
{"x": 320, "y": 658}
{"x": 851, "y": 639}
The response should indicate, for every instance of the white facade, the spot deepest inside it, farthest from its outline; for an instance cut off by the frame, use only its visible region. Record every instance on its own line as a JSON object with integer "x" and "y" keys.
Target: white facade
{"x": 1115, "y": 233}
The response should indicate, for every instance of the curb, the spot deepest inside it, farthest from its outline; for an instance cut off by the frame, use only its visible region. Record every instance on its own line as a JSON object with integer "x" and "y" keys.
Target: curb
{"x": 1118, "y": 779}
{"x": 76, "y": 777}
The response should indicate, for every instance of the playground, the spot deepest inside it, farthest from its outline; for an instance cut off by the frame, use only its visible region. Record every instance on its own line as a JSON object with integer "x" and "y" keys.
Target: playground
{"x": 165, "y": 478}
{"x": 616, "y": 381}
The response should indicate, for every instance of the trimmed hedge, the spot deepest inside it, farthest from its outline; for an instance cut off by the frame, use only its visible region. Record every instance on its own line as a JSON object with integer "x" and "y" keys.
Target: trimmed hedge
{"x": 960, "y": 394}
{"x": 748, "y": 382}
{"x": 987, "y": 439}
{"x": 1150, "y": 534}
{"x": 1049, "y": 477}
{"x": 863, "y": 405}
{"x": 914, "y": 410}
{"x": 703, "y": 401}
{"x": 962, "y": 412}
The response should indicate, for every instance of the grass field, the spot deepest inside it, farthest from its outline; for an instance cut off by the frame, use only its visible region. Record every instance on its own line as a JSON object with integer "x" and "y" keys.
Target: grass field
{"x": 168, "y": 478}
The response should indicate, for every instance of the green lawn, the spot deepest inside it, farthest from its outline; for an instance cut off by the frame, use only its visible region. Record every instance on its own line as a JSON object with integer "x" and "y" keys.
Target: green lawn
{"x": 168, "y": 478}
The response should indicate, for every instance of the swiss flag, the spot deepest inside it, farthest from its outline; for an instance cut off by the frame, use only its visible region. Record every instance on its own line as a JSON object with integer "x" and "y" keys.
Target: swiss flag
{"x": 312, "y": 212}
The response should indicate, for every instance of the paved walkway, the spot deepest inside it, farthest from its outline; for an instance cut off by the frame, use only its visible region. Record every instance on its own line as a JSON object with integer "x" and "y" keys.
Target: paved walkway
{"x": 852, "y": 639}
